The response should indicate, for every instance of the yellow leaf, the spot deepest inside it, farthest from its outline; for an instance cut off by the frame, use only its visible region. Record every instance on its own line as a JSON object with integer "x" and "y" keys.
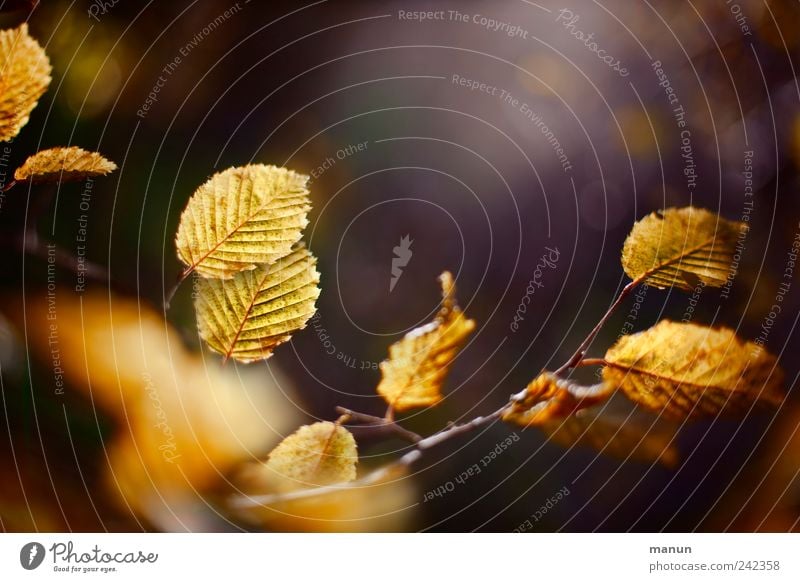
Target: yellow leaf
{"x": 549, "y": 397}
{"x": 681, "y": 247}
{"x": 624, "y": 439}
{"x": 242, "y": 218}
{"x": 24, "y": 77}
{"x": 246, "y": 317}
{"x": 687, "y": 370}
{"x": 418, "y": 364}
{"x": 315, "y": 455}
{"x": 63, "y": 165}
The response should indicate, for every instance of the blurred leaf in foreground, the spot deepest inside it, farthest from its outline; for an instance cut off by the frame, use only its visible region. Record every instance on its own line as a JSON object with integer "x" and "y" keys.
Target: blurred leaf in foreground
{"x": 382, "y": 501}
{"x": 182, "y": 422}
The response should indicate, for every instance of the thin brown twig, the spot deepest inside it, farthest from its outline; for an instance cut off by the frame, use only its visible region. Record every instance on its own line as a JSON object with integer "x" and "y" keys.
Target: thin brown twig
{"x": 576, "y": 358}
{"x": 376, "y": 422}
{"x": 459, "y": 429}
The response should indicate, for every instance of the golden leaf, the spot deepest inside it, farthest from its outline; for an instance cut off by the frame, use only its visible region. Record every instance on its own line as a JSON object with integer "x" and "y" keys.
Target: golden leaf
{"x": 24, "y": 77}
{"x": 63, "y": 165}
{"x": 688, "y": 370}
{"x": 681, "y": 247}
{"x": 242, "y": 218}
{"x": 549, "y": 398}
{"x": 621, "y": 438}
{"x": 315, "y": 455}
{"x": 246, "y": 317}
{"x": 418, "y": 364}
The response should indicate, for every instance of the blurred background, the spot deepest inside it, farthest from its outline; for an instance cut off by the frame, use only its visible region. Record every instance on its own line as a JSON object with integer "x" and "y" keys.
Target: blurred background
{"x": 490, "y": 134}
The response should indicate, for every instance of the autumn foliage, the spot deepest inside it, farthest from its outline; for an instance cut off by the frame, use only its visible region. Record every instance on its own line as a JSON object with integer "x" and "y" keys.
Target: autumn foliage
{"x": 257, "y": 284}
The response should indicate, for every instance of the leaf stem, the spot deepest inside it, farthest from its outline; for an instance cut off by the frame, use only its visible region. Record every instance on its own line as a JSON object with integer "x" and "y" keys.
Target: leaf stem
{"x": 181, "y": 278}
{"x": 576, "y": 358}
{"x": 592, "y": 362}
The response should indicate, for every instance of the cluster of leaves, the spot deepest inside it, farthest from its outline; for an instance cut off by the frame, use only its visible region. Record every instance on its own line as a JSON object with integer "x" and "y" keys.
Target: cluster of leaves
{"x": 240, "y": 232}
{"x": 258, "y": 284}
{"x": 24, "y": 77}
{"x": 677, "y": 370}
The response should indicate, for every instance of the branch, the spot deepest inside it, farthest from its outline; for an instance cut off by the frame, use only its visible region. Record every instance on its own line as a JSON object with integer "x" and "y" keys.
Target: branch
{"x": 434, "y": 440}
{"x": 38, "y": 204}
{"x": 456, "y": 430}
{"x": 576, "y": 358}
{"x": 32, "y": 246}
